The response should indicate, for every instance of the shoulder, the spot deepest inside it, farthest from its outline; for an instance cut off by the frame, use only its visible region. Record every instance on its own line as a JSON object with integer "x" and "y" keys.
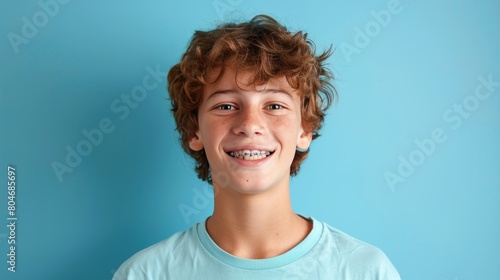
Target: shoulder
{"x": 152, "y": 262}
{"x": 358, "y": 258}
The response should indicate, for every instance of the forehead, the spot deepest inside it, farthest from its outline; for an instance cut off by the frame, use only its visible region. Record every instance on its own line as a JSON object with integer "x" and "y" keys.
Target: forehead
{"x": 243, "y": 80}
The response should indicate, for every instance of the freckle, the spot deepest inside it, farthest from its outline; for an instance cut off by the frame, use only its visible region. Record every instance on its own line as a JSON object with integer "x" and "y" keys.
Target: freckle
{"x": 247, "y": 180}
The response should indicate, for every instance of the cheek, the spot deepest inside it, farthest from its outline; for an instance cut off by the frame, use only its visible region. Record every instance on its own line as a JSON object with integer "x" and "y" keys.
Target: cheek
{"x": 288, "y": 121}
{"x": 288, "y": 129}
{"x": 211, "y": 133}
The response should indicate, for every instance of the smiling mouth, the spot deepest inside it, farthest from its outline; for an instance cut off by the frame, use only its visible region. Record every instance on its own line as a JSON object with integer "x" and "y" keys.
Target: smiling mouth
{"x": 250, "y": 154}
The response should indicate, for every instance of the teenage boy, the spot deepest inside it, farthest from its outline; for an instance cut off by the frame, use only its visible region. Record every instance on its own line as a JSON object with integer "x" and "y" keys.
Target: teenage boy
{"x": 248, "y": 99}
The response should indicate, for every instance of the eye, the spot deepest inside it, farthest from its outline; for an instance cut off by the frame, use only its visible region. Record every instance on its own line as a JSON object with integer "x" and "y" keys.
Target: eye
{"x": 225, "y": 107}
{"x": 274, "y": 107}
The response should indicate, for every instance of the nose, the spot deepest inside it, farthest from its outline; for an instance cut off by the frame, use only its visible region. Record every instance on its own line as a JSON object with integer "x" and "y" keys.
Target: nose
{"x": 249, "y": 121}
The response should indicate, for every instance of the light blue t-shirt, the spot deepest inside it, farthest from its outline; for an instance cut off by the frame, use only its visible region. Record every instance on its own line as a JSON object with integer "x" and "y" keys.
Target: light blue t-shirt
{"x": 326, "y": 253}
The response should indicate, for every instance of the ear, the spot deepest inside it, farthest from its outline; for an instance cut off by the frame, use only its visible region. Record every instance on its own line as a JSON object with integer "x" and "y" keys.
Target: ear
{"x": 304, "y": 139}
{"x": 195, "y": 143}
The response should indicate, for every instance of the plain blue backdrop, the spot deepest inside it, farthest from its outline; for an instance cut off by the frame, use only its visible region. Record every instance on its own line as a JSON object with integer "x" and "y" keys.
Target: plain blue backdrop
{"x": 408, "y": 159}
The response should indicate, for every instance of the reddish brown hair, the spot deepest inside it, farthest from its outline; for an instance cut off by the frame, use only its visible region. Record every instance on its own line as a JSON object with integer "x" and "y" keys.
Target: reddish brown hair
{"x": 264, "y": 46}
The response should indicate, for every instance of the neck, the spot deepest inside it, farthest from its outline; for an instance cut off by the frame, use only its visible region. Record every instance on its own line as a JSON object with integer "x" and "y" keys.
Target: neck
{"x": 256, "y": 226}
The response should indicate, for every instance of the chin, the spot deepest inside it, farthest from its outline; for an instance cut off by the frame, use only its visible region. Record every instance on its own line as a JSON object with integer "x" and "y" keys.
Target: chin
{"x": 250, "y": 186}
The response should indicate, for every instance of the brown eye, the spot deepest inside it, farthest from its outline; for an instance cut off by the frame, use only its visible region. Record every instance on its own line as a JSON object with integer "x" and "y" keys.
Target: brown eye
{"x": 274, "y": 107}
{"x": 225, "y": 107}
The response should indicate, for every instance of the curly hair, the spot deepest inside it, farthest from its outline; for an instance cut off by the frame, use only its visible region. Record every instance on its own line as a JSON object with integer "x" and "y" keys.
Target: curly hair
{"x": 264, "y": 46}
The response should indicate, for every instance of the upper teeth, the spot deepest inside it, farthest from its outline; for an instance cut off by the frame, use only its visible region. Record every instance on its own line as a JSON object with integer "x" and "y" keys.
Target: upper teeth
{"x": 249, "y": 155}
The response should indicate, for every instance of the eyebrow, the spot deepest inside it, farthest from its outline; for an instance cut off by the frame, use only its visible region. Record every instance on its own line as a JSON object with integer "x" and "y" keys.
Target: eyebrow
{"x": 270, "y": 90}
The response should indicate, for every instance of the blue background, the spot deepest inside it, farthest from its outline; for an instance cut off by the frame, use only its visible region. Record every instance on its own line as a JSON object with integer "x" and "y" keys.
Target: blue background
{"x": 442, "y": 222}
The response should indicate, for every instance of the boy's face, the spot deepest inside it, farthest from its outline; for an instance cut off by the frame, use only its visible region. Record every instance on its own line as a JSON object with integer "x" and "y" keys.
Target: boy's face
{"x": 249, "y": 133}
